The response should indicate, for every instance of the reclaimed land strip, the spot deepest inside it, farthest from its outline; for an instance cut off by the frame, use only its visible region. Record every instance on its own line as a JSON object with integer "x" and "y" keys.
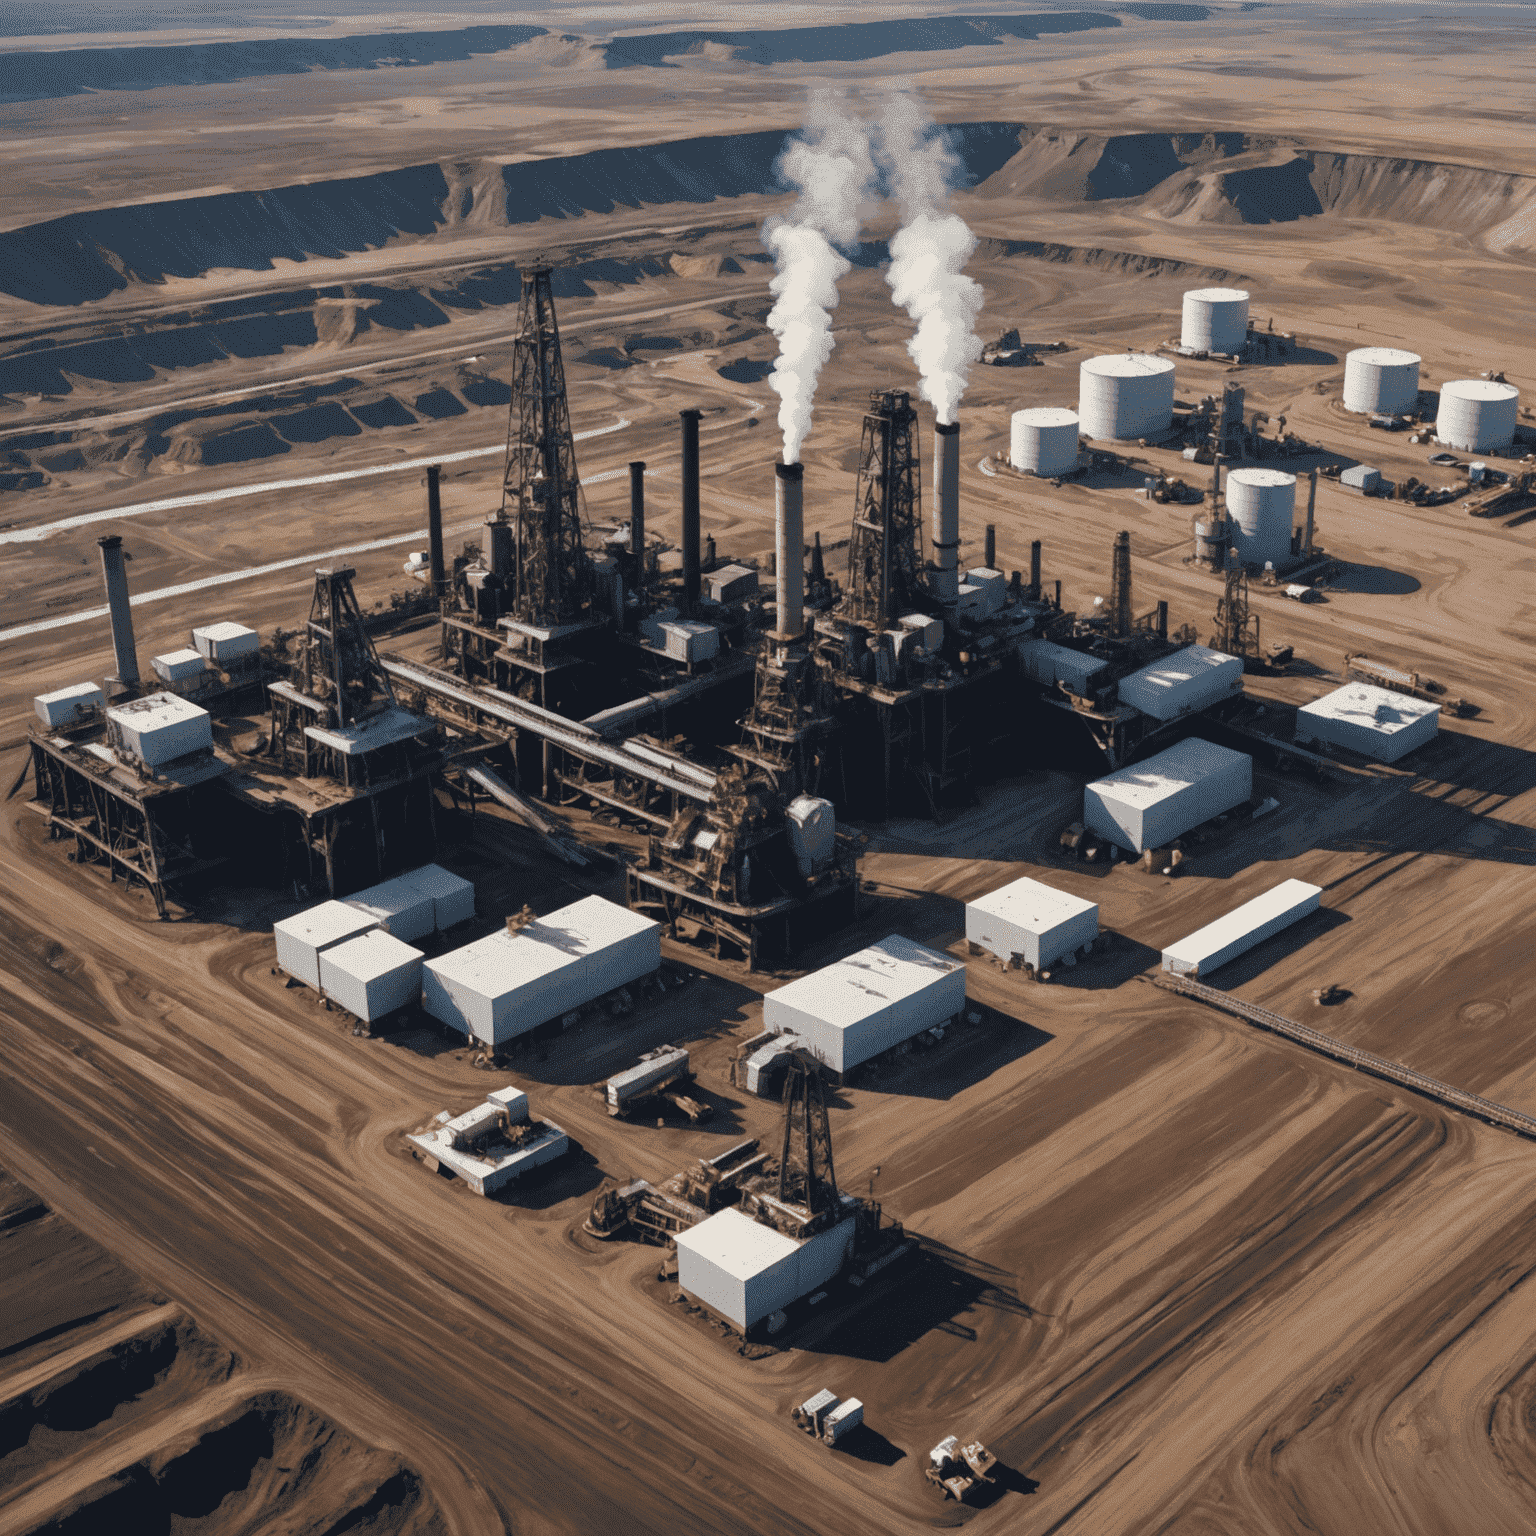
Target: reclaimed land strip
{"x": 1379, "y": 1066}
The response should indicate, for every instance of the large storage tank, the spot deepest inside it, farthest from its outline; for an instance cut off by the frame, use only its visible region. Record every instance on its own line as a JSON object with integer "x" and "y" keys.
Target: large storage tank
{"x": 1215, "y": 319}
{"x": 1477, "y": 414}
{"x": 1381, "y": 380}
{"x": 1261, "y": 505}
{"x": 1125, "y": 395}
{"x": 1043, "y": 440}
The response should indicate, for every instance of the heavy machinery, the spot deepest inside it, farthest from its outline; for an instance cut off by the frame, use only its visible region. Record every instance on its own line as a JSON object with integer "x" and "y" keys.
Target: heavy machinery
{"x": 656, "y": 1213}
{"x": 661, "y": 1077}
{"x": 827, "y": 1417}
{"x": 961, "y": 1471}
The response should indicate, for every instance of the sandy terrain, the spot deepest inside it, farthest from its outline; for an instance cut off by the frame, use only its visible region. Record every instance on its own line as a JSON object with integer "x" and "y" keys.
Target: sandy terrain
{"x": 1181, "y": 1275}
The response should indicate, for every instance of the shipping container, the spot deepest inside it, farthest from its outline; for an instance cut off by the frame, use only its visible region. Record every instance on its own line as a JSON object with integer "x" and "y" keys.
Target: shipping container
{"x": 868, "y": 1002}
{"x": 504, "y": 985}
{"x": 371, "y": 975}
{"x": 1032, "y": 920}
{"x": 63, "y": 705}
{"x": 1376, "y": 722}
{"x": 159, "y": 728}
{"x": 225, "y": 642}
{"x": 656, "y": 1066}
{"x": 453, "y": 898}
{"x": 1239, "y": 930}
{"x": 398, "y": 906}
{"x": 1048, "y": 664}
{"x": 1191, "y": 679}
{"x": 301, "y": 938}
{"x": 179, "y": 667}
{"x": 744, "y": 1270}
{"x": 842, "y": 1419}
{"x": 1151, "y": 803}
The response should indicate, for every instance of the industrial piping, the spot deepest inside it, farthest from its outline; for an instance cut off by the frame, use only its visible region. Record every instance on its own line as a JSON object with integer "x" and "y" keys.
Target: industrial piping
{"x": 690, "y": 420}
{"x": 946, "y": 511}
{"x": 435, "y": 533}
{"x": 789, "y": 548}
{"x": 115, "y": 574}
{"x": 637, "y": 518}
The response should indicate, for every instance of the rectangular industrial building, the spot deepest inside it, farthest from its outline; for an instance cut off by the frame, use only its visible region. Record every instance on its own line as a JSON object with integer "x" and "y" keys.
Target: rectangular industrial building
{"x": 225, "y": 642}
{"x": 301, "y": 938}
{"x": 1151, "y": 803}
{"x": 1033, "y": 921}
{"x": 63, "y": 705}
{"x": 743, "y": 1270}
{"x": 1048, "y": 664}
{"x": 453, "y": 897}
{"x": 1194, "y": 678}
{"x": 868, "y": 1002}
{"x": 1375, "y": 722}
{"x": 1242, "y": 928}
{"x": 182, "y": 670}
{"x": 371, "y": 975}
{"x": 504, "y": 985}
{"x": 160, "y": 727}
{"x": 398, "y": 906}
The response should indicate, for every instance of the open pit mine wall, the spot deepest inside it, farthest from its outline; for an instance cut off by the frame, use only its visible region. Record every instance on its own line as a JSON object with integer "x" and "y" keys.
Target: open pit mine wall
{"x": 1227, "y": 177}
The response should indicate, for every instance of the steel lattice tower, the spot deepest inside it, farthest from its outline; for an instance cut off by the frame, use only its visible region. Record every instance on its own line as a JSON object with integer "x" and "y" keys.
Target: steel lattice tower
{"x": 806, "y": 1176}
{"x": 884, "y": 559}
{"x": 541, "y": 491}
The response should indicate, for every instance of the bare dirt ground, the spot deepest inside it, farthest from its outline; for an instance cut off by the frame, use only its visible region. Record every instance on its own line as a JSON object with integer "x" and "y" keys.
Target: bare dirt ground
{"x": 1181, "y": 1276}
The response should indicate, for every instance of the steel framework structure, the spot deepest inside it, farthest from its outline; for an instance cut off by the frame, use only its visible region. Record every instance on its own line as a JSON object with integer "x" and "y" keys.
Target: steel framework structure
{"x": 884, "y": 555}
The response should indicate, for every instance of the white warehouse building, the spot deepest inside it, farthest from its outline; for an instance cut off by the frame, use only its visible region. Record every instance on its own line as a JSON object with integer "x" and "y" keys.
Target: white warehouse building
{"x": 1151, "y": 803}
{"x": 868, "y": 1002}
{"x": 744, "y": 1270}
{"x": 1194, "y": 678}
{"x": 1375, "y": 722}
{"x": 1238, "y": 931}
{"x": 1031, "y": 922}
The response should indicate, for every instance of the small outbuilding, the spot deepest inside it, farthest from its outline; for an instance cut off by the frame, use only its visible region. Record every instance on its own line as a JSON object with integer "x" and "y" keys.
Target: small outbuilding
{"x": 1241, "y": 929}
{"x": 1191, "y": 679}
{"x": 398, "y": 905}
{"x": 65, "y": 705}
{"x": 300, "y": 939}
{"x": 1376, "y": 722}
{"x": 1030, "y": 923}
{"x": 453, "y": 897}
{"x": 371, "y": 975}
{"x": 159, "y": 728}
{"x": 1149, "y": 804}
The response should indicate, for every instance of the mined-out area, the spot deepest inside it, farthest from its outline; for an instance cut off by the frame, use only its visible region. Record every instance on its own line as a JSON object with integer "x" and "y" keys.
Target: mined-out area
{"x": 562, "y": 972}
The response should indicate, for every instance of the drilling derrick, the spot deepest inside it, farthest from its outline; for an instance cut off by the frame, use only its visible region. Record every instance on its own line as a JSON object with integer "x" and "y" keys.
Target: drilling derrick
{"x": 552, "y": 578}
{"x": 1237, "y": 630}
{"x": 806, "y": 1175}
{"x": 337, "y": 664}
{"x": 884, "y": 557}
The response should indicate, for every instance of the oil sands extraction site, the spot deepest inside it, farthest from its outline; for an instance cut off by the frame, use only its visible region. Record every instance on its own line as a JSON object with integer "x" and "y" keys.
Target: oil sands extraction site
{"x": 909, "y": 905}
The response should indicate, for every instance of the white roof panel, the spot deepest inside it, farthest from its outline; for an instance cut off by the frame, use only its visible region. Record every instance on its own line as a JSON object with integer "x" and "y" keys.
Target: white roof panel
{"x": 379, "y": 730}
{"x": 737, "y": 1245}
{"x": 371, "y": 955}
{"x": 1033, "y": 905}
{"x": 1370, "y": 707}
{"x": 861, "y": 984}
{"x": 154, "y": 711}
{"x": 1146, "y": 783}
{"x": 1237, "y": 924}
{"x": 326, "y": 924}
{"x": 226, "y": 629}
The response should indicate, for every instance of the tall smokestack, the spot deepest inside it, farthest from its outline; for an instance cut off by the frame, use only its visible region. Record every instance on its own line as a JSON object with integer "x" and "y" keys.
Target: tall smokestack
{"x": 637, "y": 518}
{"x": 115, "y": 575}
{"x": 991, "y": 548}
{"x": 1034, "y": 569}
{"x": 690, "y": 420}
{"x": 1120, "y": 585}
{"x": 818, "y": 565}
{"x": 1306, "y": 543}
{"x": 435, "y": 533}
{"x": 946, "y": 511}
{"x": 789, "y": 547}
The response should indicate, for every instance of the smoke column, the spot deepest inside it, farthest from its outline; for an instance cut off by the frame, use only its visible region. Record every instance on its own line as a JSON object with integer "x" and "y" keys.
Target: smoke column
{"x": 832, "y": 168}
{"x": 929, "y": 253}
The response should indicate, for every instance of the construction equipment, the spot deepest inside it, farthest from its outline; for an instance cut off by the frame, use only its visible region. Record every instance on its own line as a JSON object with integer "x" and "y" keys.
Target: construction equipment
{"x": 1512, "y": 496}
{"x": 960, "y": 1470}
{"x": 1365, "y": 670}
{"x": 662, "y": 1074}
{"x": 656, "y": 1213}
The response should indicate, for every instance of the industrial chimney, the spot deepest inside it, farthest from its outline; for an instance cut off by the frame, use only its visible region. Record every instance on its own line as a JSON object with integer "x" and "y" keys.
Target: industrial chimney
{"x": 946, "y": 511}
{"x": 690, "y": 537}
{"x": 637, "y": 518}
{"x": 789, "y": 547}
{"x": 435, "y": 573}
{"x": 115, "y": 575}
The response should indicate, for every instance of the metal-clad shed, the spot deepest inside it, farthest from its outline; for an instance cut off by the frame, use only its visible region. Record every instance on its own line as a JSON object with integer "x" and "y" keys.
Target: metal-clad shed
{"x": 453, "y": 897}
{"x": 371, "y": 975}
{"x": 1028, "y": 918}
{"x": 506, "y": 984}
{"x": 160, "y": 727}
{"x": 1194, "y": 678}
{"x": 868, "y": 1002}
{"x": 301, "y": 938}
{"x": 62, "y": 705}
{"x": 1048, "y": 663}
{"x": 744, "y": 1270}
{"x": 1360, "y": 477}
{"x": 1241, "y": 929}
{"x": 1151, "y": 803}
{"x": 398, "y": 905}
{"x": 1377, "y": 722}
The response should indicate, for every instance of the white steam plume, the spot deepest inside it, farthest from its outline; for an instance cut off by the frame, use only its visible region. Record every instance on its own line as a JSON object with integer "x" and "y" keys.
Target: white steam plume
{"x": 832, "y": 167}
{"x": 929, "y": 253}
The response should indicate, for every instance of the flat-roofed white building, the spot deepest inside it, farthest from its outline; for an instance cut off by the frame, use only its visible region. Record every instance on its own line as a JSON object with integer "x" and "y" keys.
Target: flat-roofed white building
{"x": 1240, "y": 929}
{"x": 159, "y": 728}
{"x": 868, "y": 1002}
{"x": 744, "y": 1270}
{"x": 371, "y": 975}
{"x": 398, "y": 905}
{"x": 453, "y": 897}
{"x": 1151, "y": 803}
{"x": 1191, "y": 679}
{"x": 300, "y": 939}
{"x": 506, "y": 984}
{"x": 1031, "y": 921}
{"x": 1374, "y": 721}
{"x": 64, "y": 705}
{"x": 1048, "y": 663}
{"x": 493, "y": 1144}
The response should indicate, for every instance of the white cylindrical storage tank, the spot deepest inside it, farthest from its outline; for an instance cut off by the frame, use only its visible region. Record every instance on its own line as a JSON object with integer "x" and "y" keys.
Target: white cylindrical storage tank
{"x": 1477, "y": 414}
{"x": 1381, "y": 380}
{"x": 1125, "y": 395}
{"x": 1261, "y": 504}
{"x": 1215, "y": 319}
{"x": 1043, "y": 440}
